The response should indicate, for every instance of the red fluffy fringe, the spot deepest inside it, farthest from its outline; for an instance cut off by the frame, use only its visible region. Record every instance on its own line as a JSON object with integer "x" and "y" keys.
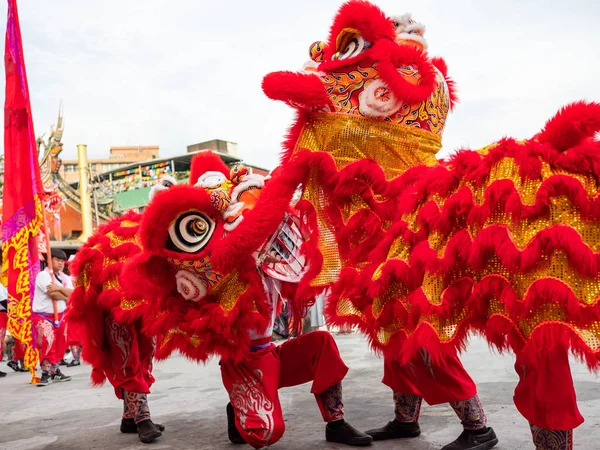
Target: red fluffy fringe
{"x": 400, "y": 281}
{"x": 206, "y": 162}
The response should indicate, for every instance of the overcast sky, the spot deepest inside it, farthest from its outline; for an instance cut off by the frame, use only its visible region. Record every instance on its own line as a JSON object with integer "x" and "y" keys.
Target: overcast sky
{"x": 178, "y": 72}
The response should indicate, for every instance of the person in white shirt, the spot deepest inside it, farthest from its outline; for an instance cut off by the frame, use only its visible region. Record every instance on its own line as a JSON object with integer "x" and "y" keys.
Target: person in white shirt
{"x": 51, "y": 287}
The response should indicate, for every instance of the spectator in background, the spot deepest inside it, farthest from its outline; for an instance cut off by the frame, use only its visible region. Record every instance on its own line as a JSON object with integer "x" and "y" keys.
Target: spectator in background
{"x": 51, "y": 286}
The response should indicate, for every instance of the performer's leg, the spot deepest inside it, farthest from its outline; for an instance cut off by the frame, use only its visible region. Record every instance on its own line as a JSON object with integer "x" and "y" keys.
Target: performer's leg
{"x": 74, "y": 342}
{"x": 252, "y": 385}
{"x": 146, "y": 348}
{"x": 16, "y": 362}
{"x": 137, "y": 406}
{"x": 436, "y": 382}
{"x": 546, "y": 397}
{"x": 407, "y": 403}
{"x": 544, "y": 439}
{"x": 45, "y": 341}
{"x": 127, "y": 413}
{"x": 3, "y": 320}
{"x": 126, "y": 374}
{"x": 56, "y": 354}
{"x": 128, "y": 420}
{"x": 315, "y": 357}
{"x": 76, "y": 352}
{"x": 3, "y": 325}
{"x": 449, "y": 382}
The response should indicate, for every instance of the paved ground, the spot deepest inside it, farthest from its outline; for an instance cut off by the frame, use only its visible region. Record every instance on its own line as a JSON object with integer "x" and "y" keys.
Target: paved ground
{"x": 190, "y": 400}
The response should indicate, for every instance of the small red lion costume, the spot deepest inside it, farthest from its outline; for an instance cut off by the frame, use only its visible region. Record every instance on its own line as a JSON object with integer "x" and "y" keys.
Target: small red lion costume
{"x": 203, "y": 270}
{"x": 184, "y": 270}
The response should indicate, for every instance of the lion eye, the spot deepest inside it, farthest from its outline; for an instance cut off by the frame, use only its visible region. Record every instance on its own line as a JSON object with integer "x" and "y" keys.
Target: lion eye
{"x": 190, "y": 232}
{"x": 353, "y": 45}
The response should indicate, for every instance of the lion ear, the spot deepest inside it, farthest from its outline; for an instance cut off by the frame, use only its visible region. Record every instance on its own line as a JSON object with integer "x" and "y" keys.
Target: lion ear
{"x": 147, "y": 276}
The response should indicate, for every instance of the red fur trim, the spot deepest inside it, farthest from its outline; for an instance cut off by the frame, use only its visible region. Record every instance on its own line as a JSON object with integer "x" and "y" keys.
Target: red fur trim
{"x": 363, "y": 16}
{"x": 390, "y": 57}
{"x": 558, "y": 335}
{"x": 297, "y": 89}
{"x": 400, "y": 281}
{"x": 440, "y": 64}
{"x": 293, "y": 134}
{"x": 206, "y": 162}
{"x": 571, "y": 125}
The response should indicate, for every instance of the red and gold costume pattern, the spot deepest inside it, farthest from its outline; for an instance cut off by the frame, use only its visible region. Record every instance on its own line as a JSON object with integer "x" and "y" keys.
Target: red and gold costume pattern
{"x": 502, "y": 241}
{"x": 184, "y": 272}
{"x": 370, "y": 110}
{"x": 118, "y": 352}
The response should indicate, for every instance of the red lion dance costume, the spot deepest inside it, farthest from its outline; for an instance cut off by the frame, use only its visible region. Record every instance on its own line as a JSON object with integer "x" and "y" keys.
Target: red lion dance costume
{"x": 193, "y": 271}
{"x": 417, "y": 253}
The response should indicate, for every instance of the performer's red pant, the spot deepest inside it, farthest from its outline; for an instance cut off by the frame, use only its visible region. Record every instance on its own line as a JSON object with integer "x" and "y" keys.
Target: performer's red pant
{"x": 3, "y": 325}
{"x": 436, "y": 383}
{"x": 252, "y": 384}
{"x": 18, "y": 351}
{"x": 74, "y": 333}
{"x": 129, "y": 361}
{"x": 545, "y": 395}
{"x": 51, "y": 341}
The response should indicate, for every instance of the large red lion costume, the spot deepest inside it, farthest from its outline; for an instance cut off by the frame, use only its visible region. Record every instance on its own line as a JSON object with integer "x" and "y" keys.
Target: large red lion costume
{"x": 417, "y": 252}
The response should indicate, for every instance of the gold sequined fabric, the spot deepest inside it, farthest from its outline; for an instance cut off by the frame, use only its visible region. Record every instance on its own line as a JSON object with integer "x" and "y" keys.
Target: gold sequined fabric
{"x": 347, "y": 139}
{"x": 533, "y": 242}
{"x": 229, "y": 290}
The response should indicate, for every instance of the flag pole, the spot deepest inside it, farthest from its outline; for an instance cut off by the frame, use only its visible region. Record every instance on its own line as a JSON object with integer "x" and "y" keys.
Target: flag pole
{"x": 49, "y": 262}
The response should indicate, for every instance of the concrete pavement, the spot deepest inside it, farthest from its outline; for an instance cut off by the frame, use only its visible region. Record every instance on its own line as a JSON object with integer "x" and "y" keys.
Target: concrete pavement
{"x": 190, "y": 401}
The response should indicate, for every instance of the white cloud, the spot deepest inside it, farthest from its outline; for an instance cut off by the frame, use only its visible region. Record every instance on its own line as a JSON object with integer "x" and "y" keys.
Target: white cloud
{"x": 180, "y": 72}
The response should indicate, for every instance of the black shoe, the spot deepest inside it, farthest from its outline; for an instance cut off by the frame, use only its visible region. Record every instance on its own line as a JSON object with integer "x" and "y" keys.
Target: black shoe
{"x": 129, "y": 426}
{"x": 232, "y": 432}
{"x": 147, "y": 431}
{"x": 395, "y": 430}
{"x": 74, "y": 363}
{"x": 474, "y": 440}
{"x": 45, "y": 380}
{"x": 59, "y": 376}
{"x": 2, "y": 374}
{"x": 342, "y": 432}
{"x": 62, "y": 362}
{"x": 14, "y": 365}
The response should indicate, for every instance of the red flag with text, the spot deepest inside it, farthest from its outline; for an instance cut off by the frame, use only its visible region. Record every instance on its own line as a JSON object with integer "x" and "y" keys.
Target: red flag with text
{"x": 22, "y": 215}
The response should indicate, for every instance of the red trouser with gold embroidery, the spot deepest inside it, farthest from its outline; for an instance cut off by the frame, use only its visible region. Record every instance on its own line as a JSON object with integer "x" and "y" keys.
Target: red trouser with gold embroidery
{"x": 130, "y": 355}
{"x": 51, "y": 341}
{"x": 253, "y": 383}
{"x": 436, "y": 383}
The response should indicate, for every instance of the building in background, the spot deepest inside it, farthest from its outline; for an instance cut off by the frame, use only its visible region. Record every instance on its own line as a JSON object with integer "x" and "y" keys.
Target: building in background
{"x": 127, "y": 185}
{"x": 119, "y": 157}
{"x": 216, "y": 145}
